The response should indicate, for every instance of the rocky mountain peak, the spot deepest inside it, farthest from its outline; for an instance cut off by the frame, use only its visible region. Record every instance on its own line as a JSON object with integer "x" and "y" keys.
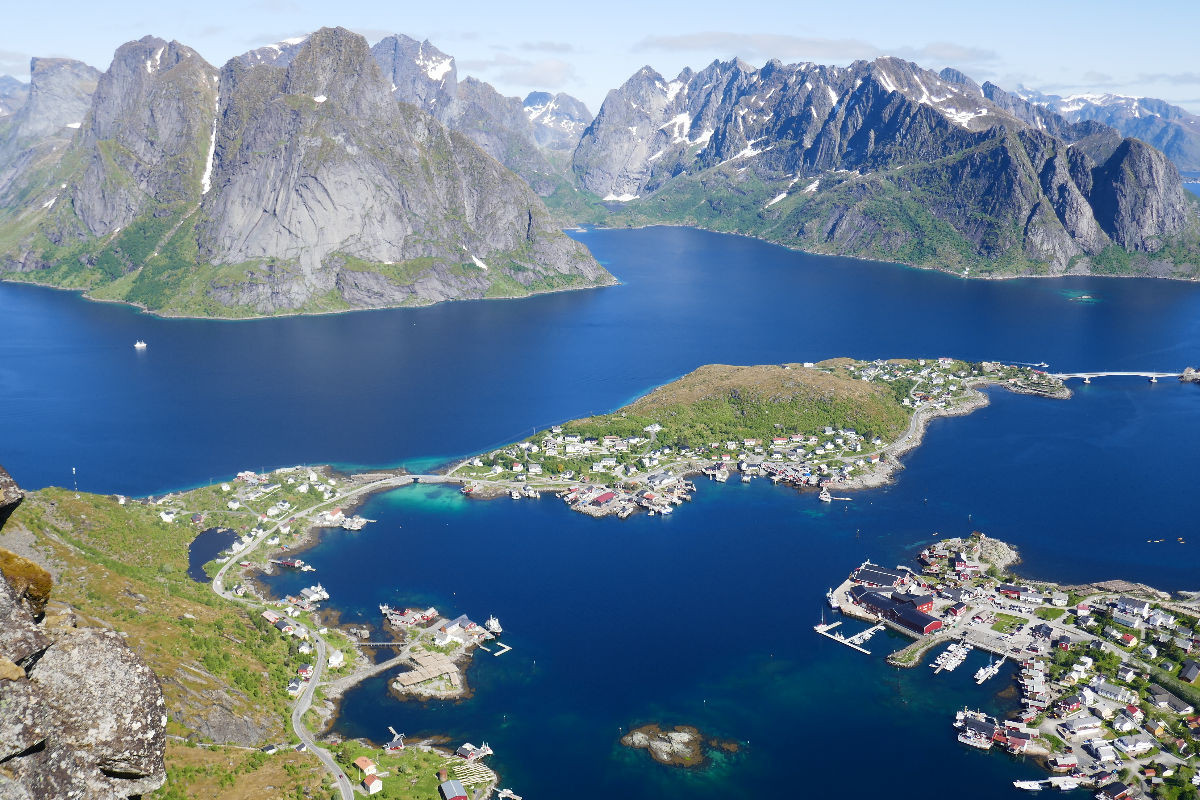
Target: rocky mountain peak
{"x": 886, "y": 126}
{"x": 558, "y": 119}
{"x": 60, "y": 92}
{"x": 419, "y": 73}
{"x": 279, "y": 54}
{"x": 145, "y": 141}
{"x": 334, "y": 67}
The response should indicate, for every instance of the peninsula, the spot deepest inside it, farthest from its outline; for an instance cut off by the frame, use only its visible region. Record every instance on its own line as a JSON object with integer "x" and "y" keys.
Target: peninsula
{"x": 1106, "y": 672}
{"x": 832, "y": 425}
{"x": 249, "y": 681}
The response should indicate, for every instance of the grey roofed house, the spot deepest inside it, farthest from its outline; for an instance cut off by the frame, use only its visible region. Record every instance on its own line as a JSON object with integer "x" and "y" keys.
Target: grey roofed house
{"x": 1190, "y": 671}
{"x": 451, "y": 789}
{"x": 1131, "y": 606}
{"x": 1163, "y": 699}
{"x": 1079, "y": 724}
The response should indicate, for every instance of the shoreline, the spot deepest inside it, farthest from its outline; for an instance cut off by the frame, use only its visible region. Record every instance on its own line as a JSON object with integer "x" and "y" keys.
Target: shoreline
{"x": 876, "y": 260}
{"x": 882, "y": 474}
{"x": 83, "y": 294}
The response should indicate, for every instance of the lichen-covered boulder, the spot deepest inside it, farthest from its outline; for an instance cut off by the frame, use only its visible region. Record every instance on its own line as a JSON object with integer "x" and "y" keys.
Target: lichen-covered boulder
{"x": 107, "y": 703}
{"x": 85, "y": 720}
{"x": 29, "y": 581}
{"x": 20, "y": 637}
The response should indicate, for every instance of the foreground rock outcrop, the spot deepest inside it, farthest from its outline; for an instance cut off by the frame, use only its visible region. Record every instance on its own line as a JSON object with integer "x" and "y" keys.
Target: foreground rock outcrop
{"x": 81, "y": 715}
{"x": 10, "y": 496}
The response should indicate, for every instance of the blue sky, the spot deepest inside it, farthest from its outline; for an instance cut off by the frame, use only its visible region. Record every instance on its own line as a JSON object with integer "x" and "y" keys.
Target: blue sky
{"x": 588, "y": 48}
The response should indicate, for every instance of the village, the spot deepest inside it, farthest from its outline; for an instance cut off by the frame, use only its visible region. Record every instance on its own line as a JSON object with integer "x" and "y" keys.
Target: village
{"x": 1109, "y": 675}
{"x": 268, "y": 514}
{"x": 611, "y": 473}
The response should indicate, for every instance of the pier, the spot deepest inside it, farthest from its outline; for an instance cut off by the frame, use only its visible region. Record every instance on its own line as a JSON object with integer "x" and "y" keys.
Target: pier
{"x": 502, "y": 650}
{"x": 856, "y": 641}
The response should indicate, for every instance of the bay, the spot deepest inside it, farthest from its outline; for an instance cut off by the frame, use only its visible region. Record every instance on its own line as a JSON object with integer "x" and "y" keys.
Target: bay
{"x": 703, "y": 617}
{"x": 415, "y": 386}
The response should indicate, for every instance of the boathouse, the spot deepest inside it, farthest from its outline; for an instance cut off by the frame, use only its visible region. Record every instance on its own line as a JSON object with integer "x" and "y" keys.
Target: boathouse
{"x": 873, "y": 575}
{"x": 897, "y": 608}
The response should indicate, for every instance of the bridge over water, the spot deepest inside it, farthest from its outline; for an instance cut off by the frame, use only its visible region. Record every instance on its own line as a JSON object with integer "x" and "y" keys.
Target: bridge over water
{"x": 1087, "y": 376}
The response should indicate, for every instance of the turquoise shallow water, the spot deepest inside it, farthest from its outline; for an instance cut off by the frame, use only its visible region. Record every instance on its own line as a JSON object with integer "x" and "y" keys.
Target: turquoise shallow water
{"x": 704, "y": 617}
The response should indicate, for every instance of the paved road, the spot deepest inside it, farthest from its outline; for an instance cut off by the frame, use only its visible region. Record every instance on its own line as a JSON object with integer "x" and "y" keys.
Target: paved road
{"x": 304, "y": 701}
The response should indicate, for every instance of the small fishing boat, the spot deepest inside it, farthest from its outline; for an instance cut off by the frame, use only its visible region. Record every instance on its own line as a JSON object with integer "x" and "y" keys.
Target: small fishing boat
{"x": 139, "y": 345}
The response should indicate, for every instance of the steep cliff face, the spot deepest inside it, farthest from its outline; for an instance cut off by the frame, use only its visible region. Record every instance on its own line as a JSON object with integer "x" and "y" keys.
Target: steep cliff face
{"x": 35, "y": 136}
{"x": 80, "y": 714}
{"x": 317, "y": 164}
{"x": 883, "y": 159}
{"x": 424, "y": 76}
{"x": 290, "y": 180}
{"x": 144, "y": 141}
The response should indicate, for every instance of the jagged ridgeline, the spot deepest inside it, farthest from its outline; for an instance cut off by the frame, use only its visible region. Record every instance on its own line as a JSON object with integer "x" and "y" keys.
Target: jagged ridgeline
{"x": 272, "y": 185}
{"x": 887, "y": 160}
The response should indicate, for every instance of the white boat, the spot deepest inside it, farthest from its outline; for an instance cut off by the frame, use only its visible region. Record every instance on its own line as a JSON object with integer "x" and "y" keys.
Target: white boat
{"x": 139, "y": 345}
{"x": 974, "y": 740}
{"x": 1064, "y": 782}
{"x": 493, "y": 625}
{"x": 514, "y": 494}
{"x": 832, "y": 599}
{"x": 1029, "y": 786}
{"x": 1153, "y": 379}
{"x": 825, "y": 496}
{"x": 745, "y": 479}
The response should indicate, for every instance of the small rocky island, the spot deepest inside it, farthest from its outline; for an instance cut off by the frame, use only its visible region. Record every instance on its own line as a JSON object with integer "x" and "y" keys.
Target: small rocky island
{"x": 681, "y": 746}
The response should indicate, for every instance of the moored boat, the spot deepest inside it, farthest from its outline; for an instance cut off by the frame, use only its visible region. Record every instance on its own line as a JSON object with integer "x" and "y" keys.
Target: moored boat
{"x": 832, "y": 599}
{"x": 974, "y": 740}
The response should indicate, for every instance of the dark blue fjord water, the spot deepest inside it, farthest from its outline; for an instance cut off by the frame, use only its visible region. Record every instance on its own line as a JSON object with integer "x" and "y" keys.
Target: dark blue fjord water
{"x": 207, "y": 399}
{"x": 704, "y": 617}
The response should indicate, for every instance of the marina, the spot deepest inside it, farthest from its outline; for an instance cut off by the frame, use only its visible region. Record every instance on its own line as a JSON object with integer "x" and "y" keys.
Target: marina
{"x": 855, "y": 642}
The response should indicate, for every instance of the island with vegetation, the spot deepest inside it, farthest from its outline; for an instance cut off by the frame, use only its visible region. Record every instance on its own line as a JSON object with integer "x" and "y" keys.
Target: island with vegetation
{"x": 836, "y": 424}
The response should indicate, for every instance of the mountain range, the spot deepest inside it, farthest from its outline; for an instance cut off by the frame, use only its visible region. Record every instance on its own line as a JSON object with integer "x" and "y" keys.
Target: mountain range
{"x": 319, "y": 174}
{"x": 887, "y": 160}
{"x": 1170, "y": 128}
{"x": 288, "y": 180}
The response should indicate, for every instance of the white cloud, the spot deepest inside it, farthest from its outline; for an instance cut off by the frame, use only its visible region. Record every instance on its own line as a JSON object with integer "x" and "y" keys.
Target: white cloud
{"x": 547, "y": 73}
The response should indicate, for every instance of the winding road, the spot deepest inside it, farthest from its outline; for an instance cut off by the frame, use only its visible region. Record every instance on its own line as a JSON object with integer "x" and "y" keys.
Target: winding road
{"x": 304, "y": 701}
